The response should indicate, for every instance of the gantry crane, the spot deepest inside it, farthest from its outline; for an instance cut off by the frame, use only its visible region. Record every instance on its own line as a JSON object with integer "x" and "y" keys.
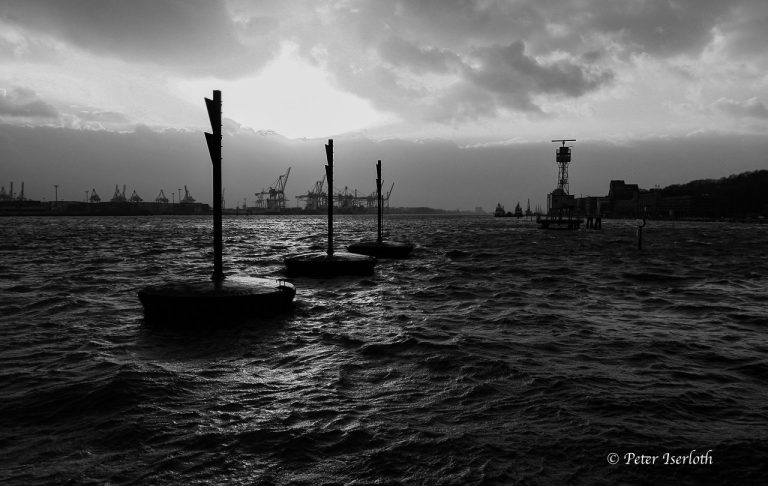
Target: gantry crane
{"x": 119, "y": 196}
{"x": 316, "y": 198}
{"x": 187, "y": 196}
{"x": 275, "y": 195}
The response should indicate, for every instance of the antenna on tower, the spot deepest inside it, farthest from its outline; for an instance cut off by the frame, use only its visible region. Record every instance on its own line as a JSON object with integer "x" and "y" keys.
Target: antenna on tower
{"x": 563, "y": 158}
{"x": 560, "y": 203}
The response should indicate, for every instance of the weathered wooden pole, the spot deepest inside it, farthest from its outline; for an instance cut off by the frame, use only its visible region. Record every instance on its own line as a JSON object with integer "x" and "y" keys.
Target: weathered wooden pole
{"x": 378, "y": 196}
{"x": 329, "y": 176}
{"x": 214, "y": 148}
{"x": 640, "y": 234}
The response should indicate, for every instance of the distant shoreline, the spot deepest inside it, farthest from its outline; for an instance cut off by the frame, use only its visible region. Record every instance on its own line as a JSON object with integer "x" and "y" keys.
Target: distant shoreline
{"x": 80, "y": 209}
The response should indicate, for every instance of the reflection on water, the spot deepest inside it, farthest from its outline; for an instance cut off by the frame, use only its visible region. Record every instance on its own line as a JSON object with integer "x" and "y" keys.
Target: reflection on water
{"x": 498, "y": 353}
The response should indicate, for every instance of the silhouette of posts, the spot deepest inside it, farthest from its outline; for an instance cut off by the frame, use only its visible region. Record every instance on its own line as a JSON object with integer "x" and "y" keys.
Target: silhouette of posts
{"x": 381, "y": 248}
{"x": 640, "y": 234}
{"x": 329, "y": 176}
{"x": 214, "y": 148}
{"x": 378, "y": 192}
{"x": 330, "y": 263}
{"x": 211, "y": 302}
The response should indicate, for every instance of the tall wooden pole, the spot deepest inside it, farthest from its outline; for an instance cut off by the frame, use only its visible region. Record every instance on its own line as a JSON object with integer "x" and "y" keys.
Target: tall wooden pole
{"x": 329, "y": 176}
{"x": 214, "y": 147}
{"x": 378, "y": 196}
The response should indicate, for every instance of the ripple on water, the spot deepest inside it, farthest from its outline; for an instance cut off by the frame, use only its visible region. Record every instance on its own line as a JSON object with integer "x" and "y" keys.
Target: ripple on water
{"x": 497, "y": 354}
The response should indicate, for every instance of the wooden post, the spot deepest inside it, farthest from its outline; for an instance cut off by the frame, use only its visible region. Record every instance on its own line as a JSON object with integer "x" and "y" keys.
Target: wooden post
{"x": 329, "y": 176}
{"x": 214, "y": 147}
{"x": 378, "y": 195}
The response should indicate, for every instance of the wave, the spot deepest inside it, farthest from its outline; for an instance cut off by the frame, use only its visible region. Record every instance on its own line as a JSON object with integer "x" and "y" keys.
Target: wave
{"x": 497, "y": 354}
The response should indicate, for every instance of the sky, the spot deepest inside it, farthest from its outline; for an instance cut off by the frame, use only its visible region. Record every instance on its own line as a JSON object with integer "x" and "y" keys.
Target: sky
{"x": 460, "y": 99}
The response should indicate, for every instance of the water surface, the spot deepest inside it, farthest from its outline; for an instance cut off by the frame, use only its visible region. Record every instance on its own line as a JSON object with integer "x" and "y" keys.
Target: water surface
{"x": 498, "y": 353}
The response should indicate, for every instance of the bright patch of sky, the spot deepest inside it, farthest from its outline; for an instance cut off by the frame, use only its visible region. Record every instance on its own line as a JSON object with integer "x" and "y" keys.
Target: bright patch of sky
{"x": 291, "y": 97}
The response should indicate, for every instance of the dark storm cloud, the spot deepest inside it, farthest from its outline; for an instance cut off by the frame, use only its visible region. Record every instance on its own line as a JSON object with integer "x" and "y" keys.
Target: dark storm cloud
{"x": 191, "y": 35}
{"x": 486, "y": 80}
{"x": 752, "y": 108}
{"x": 657, "y": 27}
{"x": 488, "y": 56}
{"x": 746, "y": 31}
{"x": 455, "y": 24}
{"x": 507, "y": 70}
{"x": 24, "y": 103}
{"x": 503, "y": 55}
{"x": 419, "y": 59}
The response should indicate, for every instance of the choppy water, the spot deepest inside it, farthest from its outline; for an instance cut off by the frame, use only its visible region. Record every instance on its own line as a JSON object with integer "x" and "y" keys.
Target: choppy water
{"x": 498, "y": 354}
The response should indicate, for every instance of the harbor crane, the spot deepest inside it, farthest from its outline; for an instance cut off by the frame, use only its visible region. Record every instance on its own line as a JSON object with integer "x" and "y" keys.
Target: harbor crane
{"x": 275, "y": 195}
{"x": 119, "y": 196}
{"x": 187, "y": 196}
{"x": 389, "y": 193}
{"x": 316, "y": 198}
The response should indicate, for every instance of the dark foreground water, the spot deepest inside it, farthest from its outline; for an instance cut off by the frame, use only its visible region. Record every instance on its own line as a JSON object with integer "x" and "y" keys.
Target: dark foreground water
{"x": 498, "y": 354}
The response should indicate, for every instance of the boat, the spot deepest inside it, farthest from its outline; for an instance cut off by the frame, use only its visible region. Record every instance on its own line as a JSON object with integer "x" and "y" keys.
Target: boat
{"x": 380, "y": 248}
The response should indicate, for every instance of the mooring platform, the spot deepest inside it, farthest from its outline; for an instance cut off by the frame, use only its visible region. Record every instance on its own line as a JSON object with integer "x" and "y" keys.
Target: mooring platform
{"x": 382, "y": 249}
{"x": 320, "y": 264}
{"x": 234, "y": 298}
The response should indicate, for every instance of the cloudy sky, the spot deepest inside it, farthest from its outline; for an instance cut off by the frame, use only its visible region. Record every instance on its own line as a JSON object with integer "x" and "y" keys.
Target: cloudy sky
{"x": 459, "y": 98}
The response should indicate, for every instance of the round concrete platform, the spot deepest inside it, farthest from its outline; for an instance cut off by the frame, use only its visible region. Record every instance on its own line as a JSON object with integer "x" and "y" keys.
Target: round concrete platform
{"x": 234, "y": 298}
{"x": 382, "y": 249}
{"x": 320, "y": 264}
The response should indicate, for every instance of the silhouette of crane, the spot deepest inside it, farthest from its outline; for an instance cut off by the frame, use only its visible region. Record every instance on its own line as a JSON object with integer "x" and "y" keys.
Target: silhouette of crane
{"x": 316, "y": 198}
{"x": 275, "y": 195}
{"x": 119, "y": 196}
{"x": 389, "y": 193}
{"x": 187, "y": 196}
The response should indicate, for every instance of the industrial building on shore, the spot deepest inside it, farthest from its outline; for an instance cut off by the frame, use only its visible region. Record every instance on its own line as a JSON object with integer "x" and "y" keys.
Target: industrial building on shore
{"x": 737, "y": 196}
